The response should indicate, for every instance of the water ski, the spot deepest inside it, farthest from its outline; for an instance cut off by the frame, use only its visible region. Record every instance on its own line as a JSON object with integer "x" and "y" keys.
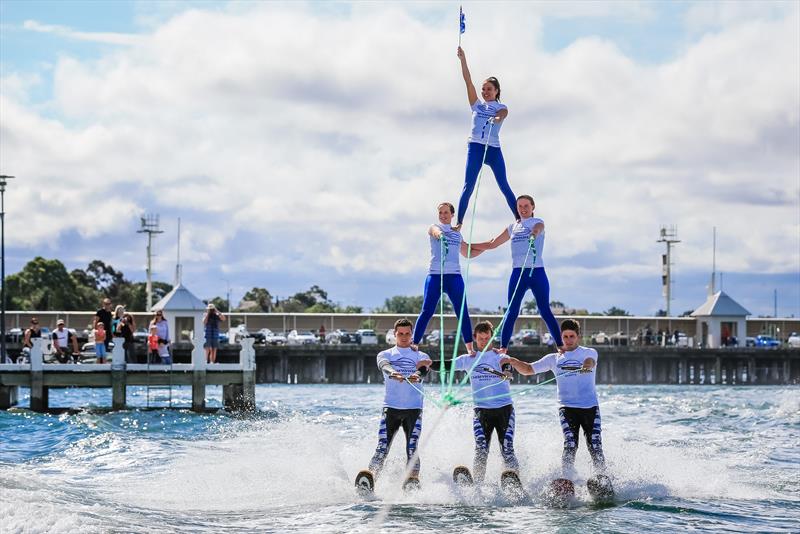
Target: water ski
{"x": 462, "y": 476}
{"x": 559, "y": 492}
{"x": 411, "y": 483}
{"x": 600, "y": 488}
{"x": 365, "y": 482}
{"x": 512, "y": 486}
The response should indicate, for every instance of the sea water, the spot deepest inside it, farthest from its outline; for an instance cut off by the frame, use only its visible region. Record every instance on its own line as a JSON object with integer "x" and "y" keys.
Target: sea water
{"x": 722, "y": 459}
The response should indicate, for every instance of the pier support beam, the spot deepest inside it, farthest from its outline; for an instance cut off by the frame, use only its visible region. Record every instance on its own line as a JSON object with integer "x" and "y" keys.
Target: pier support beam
{"x": 751, "y": 370}
{"x": 40, "y": 395}
{"x": 242, "y": 397}
{"x": 648, "y": 370}
{"x": 119, "y": 377}
{"x": 9, "y": 396}
{"x": 199, "y": 373}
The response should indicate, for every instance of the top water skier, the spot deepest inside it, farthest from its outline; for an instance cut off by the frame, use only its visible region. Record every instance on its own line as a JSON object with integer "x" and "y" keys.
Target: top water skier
{"x": 403, "y": 370}
{"x": 488, "y": 115}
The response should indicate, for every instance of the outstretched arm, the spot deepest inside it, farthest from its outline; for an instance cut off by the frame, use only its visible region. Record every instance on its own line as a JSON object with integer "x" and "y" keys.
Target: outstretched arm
{"x": 472, "y": 95}
{"x": 494, "y": 243}
{"x": 473, "y": 252}
{"x": 538, "y": 228}
{"x": 523, "y": 368}
{"x": 501, "y": 115}
{"x": 435, "y": 232}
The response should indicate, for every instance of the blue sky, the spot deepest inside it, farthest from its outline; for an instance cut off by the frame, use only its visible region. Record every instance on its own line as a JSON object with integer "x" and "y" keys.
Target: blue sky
{"x": 309, "y": 143}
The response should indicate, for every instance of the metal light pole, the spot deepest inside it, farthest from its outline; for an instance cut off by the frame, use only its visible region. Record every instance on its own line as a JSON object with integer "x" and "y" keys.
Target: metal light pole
{"x": 228, "y": 293}
{"x": 150, "y": 227}
{"x": 3, "y": 180}
{"x": 668, "y": 235}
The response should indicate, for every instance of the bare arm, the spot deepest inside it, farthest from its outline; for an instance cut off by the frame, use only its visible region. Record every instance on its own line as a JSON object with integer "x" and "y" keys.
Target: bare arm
{"x": 537, "y": 229}
{"x": 523, "y": 368}
{"x": 501, "y": 115}
{"x": 494, "y": 243}
{"x": 588, "y": 364}
{"x": 472, "y": 95}
{"x": 435, "y": 232}
{"x": 222, "y": 317}
{"x": 473, "y": 252}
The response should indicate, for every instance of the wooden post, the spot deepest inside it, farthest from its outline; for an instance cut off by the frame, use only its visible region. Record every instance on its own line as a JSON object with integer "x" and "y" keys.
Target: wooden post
{"x": 648, "y": 370}
{"x": 751, "y": 370}
{"x": 684, "y": 372}
{"x": 198, "y": 373}
{"x": 119, "y": 376}
{"x": 39, "y": 393}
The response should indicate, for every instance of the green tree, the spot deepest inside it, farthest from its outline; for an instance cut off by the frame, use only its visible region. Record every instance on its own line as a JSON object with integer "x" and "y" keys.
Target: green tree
{"x": 402, "y": 304}
{"x": 613, "y": 310}
{"x": 530, "y": 307}
{"x": 261, "y": 297}
{"x": 46, "y": 285}
{"x": 349, "y": 309}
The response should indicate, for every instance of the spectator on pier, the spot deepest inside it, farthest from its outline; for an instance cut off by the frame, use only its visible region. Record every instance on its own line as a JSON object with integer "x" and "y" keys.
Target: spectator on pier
{"x": 119, "y": 311}
{"x": 152, "y": 345}
{"x": 211, "y": 320}
{"x": 62, "y": 338}
{"x": 31, "y": 332}
{"x": 100, "y": 339}
{"x": 162, "y": 331}
{"x": 125, "y": 328}
{"x": 103, "y": 315}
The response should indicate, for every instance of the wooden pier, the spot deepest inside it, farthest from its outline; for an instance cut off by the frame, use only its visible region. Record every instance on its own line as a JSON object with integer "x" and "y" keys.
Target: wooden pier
{"x": 237, "y": 379}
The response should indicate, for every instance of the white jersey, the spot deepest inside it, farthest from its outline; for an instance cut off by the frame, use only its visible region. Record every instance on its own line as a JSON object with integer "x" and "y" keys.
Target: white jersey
{"x": 489, "y": 390}
{"x": 62, "y": 336}
{"x": 451, "y": 259}
{"x": 482, "y": 112}
{"x": 520, "y": 234}
{"x": 402, "y": 395}
{"x": 575, "y": 390}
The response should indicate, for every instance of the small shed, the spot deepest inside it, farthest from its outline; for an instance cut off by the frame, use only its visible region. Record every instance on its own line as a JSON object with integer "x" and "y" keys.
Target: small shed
{"x": 719, "y": 320}
{"x": 184, "y": 313}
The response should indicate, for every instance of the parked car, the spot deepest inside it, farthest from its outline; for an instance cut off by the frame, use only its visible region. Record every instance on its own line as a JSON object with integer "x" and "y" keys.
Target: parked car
{"x": 767, "y": 342}
{"x": 433, "y": 337}
{"x": 749, "y": 341}
{"x": 341, "y": 336}
{"x": 305, "y": 337}
{"x": 240, "y": 332}
{"x": 547, "y": 339}
{"x": 794, "y": 340}
{"x": 367, "y": 336}
{"x": 600, "y": 338}
{"x": 390, "y": 339}
{"x": 683, "y": 340}
{"x": 140, "y": 336}
{"x": 272, "y": 338}
{"x": 526, "y": 336}
{"x": 620, "y": 338}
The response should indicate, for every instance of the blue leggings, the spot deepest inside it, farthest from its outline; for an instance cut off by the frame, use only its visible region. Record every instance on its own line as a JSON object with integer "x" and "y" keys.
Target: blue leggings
{"x": 540, "y": 287}
{"x": 494, "y": 159}
{"x": 454, "y": 287}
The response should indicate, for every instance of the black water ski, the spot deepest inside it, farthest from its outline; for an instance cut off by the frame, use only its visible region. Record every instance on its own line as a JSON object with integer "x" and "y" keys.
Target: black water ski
{"x": 411, "y": 483}
{"x": 600, "y": 488}
{"x": 462, "y": 476}
{"x": 559, "y": 493}
{"x": 365, "y": 482}
{"x": 512, "y": 486}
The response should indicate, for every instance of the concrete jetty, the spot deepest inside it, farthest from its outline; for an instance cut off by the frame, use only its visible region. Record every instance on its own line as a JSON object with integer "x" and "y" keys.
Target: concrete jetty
{"x": 237, "y": 379}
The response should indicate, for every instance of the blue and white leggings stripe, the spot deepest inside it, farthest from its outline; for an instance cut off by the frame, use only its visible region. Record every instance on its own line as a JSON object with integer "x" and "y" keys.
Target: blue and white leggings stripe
{"x": 391, "y": 421}
{"x": 572, "y": 421}
{"x": 498, "y": 420}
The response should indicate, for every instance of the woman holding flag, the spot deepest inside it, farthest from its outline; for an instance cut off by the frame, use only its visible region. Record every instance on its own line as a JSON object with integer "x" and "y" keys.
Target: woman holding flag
{"x": 483, "y": 146}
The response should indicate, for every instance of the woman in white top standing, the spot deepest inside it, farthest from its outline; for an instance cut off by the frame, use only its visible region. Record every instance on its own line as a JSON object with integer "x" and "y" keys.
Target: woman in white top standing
{"x": 488, "y": 115}
{"x": 527, "y": 273}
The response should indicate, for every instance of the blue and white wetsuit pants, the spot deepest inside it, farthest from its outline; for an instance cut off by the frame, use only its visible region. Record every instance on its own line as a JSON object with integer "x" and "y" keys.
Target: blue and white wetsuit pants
{"x": 391, "y": 421}
{"x": 572, "y": 421}
{"x": 498, "y": 420}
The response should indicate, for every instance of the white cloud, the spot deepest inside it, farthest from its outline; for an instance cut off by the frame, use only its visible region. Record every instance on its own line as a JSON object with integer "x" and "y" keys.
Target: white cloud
{"x": 97, "y": 37}
{"x": 336, "y": 134}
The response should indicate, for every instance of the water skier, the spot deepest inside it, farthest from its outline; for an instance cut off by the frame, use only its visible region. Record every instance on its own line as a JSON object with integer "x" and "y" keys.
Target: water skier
{"x": 403, "y": 370}
{"x": 491, "y": 393}
{"x": 527, "y": 247}
{"x": 444, "y": 272}
{"x": 488, "y": 116}
{"x": 574, "y": 369}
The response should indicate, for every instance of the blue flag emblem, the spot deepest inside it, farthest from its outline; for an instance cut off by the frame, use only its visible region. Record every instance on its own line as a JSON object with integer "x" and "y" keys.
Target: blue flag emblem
{"x": 461, "y": 20}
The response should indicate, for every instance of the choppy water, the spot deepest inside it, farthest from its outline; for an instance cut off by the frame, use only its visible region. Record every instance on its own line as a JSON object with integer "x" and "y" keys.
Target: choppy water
{"x": 705, "y": 458}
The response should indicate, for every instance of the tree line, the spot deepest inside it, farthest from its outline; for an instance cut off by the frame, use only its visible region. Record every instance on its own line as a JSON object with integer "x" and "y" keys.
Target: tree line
{"x": 47, "y": 285}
